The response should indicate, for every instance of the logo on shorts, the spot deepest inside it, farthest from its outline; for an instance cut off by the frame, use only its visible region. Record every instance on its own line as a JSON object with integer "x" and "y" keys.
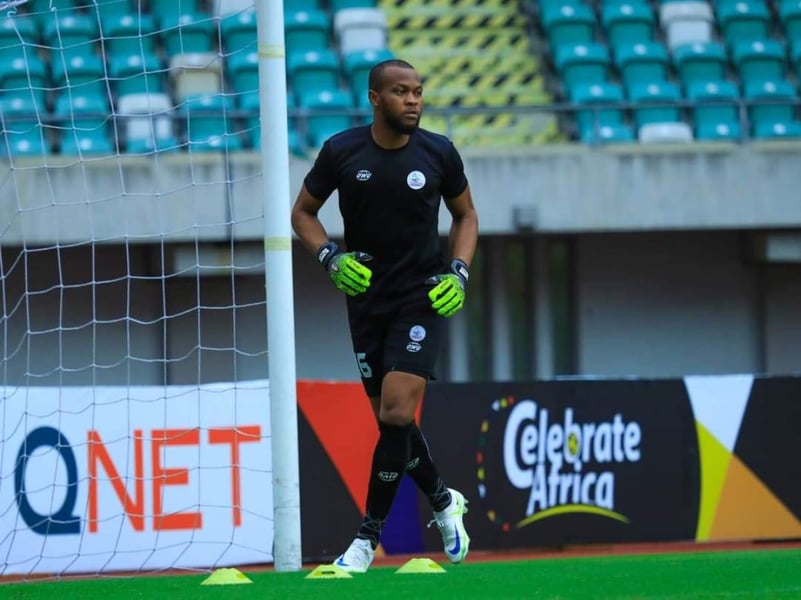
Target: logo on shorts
{"x": 387, "y": 475}
{"x": 413, "y": 347}
{"x": 363, "y": 175}
{"x": 417, "y": 333}
{"x": 415, "y": 180}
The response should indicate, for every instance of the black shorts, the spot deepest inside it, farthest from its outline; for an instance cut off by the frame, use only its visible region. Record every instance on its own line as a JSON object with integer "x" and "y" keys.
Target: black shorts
{"x": 407, "y": 338}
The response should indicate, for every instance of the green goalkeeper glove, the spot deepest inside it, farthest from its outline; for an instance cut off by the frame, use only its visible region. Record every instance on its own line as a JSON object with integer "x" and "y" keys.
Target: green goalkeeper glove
{"x": 345, "y": 268}
{"x": 447, "y": 296}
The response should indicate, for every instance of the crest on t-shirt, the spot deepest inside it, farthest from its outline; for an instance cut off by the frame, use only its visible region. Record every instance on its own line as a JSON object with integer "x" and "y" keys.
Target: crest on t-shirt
{"x": 415, "y": 180}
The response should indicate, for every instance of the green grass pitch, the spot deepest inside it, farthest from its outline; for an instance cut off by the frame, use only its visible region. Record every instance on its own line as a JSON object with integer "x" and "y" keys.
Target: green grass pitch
{"x": 770, "y": 574}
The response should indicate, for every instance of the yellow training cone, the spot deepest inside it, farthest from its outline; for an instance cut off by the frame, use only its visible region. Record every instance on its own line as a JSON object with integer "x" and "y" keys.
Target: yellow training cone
{"x": 328, "y": 572}
{"x": 420, "y": 565}
{"x": 226, "y": 577}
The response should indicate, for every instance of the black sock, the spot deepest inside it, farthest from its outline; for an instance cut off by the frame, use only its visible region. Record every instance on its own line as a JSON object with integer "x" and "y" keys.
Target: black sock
{"x": 423, "y": 471}
{"x": 389, "y": 463}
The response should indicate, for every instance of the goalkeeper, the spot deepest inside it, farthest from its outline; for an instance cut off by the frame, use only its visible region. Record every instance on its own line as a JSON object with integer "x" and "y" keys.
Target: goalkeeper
{"x": 391, "y": 177}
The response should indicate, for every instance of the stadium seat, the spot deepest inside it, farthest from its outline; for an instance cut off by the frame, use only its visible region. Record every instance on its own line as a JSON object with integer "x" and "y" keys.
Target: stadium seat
{"x": 147, "y": 123}
{"x": 655, "y": 102}
{"x": 686, "y": 22}
{"x": 582, "y": 63}
{"x": 195, "y": 73}
{"x": 790, "y": 18}
{"x": 22, "y": 131}
{"x": 786, "y": 129}
{"x": 136, "y": 74}
{"x": 128, "y": 34}
{"x": 70, "y": 34}
{"x": 83, "y": 123}
{"x": 109, "y": 9}
{"x": 627, "y": 22}
{"x": 356, "y": 67}
{"x": 84, "y": 75}
{"x": 239, "y": 31}
{"x": 306, "y": 30}
{"x": 360, "y": 29}
{"x": 665, "y": 133}
{"x": 327, "y": 115}
{"x": 743, "y": 20}
{"x": 715, "y": 111}
{"x": 302, "y": 5}
{"x": 336, "y": 5}
{"x": 243, "y": 71}
{"x": 187, "y": 33}
{"x": 568, "y": 24}
{"x": 795, "y": 57}
{"x": 20, "y": 74}
{"x": 600, "y": 125}
{"x": 250, "y": 103}
{"x": 311, "y": 72}
{"x": 759, "y": 60}
{"x": 172, "y": 10}
{"x": 209, "y": 128}
{"x": 19, "y": 37}
{"x": 777, "y": 110}
{"x": 642, "y": 62}
{"x": 700, "y": 61}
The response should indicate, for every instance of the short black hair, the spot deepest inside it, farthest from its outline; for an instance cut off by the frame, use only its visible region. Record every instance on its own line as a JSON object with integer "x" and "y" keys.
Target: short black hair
{"x": 377, "y": 72}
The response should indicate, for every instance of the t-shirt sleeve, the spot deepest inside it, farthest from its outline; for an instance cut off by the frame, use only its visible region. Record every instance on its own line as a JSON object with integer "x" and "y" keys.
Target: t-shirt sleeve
{"x": 455, "y": 181}
{"x": 321, "y": 180}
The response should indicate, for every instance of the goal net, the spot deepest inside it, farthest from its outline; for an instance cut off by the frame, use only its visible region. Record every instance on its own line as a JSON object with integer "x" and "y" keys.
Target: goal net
{"x": 135, "y": 414}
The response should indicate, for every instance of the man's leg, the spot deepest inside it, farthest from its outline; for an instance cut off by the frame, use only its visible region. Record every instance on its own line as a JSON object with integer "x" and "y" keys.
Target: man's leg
{"x": 401, "y": 393}
{"x": 421, "y": 467}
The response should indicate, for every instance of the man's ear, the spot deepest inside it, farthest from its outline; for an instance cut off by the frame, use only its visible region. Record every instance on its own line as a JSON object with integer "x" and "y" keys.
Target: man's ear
{"x": 372, "y": 96}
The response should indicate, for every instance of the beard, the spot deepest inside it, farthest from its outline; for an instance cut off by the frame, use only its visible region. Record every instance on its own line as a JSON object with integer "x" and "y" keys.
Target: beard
{"x": 399, "y": 126}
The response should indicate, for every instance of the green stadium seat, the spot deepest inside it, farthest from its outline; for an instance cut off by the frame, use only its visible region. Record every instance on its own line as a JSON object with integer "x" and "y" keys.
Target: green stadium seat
{"x": 582, "y": 63}
{"x": 129, "y": 34}
{"x": 655, "y": 102}
{"x": 170, "y": 11}
{"x": 627, "y": 22}
{"x": 83, "y": 120}
{"x": 109, "y": 9}
{"x": 22, "y": 131}
{"x": 209, "y": 128}
{"x": 239, "y": 31}
{"x": 20, "y": 74}
{"x": 84, "y": 75}
{"x": 311, "y": 72}
{"x": 743, "y": 20}
{"x": 187, "y": 32}
{"x": 715, "y": 111}
{"x": 70, "y": 34}
{"x": 789, "y": 14}
{"x": 307, "y": 30}
{"x": 356, "y": 66}
{"x": 700, "y": 61}
{"x": 327, "y": 114}
{"x": 19, "y": 36}
{"x": 136, "y": 74}
{"x": 759, "y": 60}
{"x": 795, "y": 57}
{"x": 643, "y": 62}
{"x": 568, "y": 24}
{"x": 250, "y": 103}
{"x": 777, "y": 114}
{"x": 302, "y": 5}
{"x": 335, "y": 5}
{"x": 600, "y": 125}
{"x": 243, "y": 71}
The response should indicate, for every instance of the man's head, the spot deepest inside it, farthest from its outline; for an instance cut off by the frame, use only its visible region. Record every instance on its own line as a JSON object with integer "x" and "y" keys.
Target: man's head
{"x": 396, "y": 94}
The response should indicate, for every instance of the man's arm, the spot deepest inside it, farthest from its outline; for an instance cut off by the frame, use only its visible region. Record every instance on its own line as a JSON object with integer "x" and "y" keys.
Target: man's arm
{"x": 463, "y": 235}
{"x": 305, "y": 221}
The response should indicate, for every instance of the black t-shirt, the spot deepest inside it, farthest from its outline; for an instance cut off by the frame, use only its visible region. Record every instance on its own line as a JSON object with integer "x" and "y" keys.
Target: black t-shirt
{"x": 389, "y": 201}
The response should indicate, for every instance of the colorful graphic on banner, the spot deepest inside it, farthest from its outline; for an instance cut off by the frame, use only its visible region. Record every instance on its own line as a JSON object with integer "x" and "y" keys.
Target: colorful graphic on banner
{"x": 749, "y": 446}
{"x": 571, "y": 461}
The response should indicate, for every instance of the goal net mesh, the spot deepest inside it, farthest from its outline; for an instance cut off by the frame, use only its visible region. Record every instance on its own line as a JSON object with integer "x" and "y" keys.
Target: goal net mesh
{"x": 134, "y": 417}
